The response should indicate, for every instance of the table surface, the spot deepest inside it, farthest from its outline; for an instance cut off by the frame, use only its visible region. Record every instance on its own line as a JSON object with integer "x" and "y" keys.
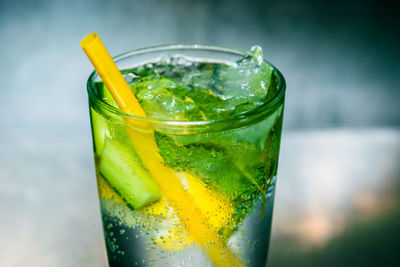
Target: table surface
{"x": 337, "y": 200}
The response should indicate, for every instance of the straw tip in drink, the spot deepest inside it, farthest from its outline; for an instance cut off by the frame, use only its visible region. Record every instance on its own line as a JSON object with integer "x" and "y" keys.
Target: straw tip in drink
{"x": 89, "y": 39}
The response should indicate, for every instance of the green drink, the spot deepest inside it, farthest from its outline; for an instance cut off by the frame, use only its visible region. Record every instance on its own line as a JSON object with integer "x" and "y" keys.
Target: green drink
{"x": 213, "y": 127}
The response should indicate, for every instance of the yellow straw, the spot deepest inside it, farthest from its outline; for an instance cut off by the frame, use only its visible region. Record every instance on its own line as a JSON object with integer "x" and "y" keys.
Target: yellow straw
{"x": 111, "y": 76}
{"x": 183, "y": 204}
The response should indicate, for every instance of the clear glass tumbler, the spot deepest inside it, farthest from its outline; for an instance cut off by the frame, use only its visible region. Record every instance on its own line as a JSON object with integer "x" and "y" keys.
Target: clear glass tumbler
{"x": 211, "y": 182}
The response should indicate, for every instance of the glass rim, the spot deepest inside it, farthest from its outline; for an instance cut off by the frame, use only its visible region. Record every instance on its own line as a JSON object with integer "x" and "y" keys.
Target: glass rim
{"x": 265, "y": 107}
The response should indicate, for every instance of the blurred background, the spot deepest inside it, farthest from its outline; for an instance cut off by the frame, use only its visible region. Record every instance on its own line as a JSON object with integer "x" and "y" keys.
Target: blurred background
{"x": 338, "y": 191}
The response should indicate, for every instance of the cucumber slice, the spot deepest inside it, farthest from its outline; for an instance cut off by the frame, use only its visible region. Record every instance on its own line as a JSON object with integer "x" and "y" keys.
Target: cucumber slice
{"x": 99, "y": 129}
{"x": 124, "y": 172}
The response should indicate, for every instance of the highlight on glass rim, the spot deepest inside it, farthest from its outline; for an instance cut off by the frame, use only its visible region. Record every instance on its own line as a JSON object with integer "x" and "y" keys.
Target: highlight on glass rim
{"x": 186, "y": 144}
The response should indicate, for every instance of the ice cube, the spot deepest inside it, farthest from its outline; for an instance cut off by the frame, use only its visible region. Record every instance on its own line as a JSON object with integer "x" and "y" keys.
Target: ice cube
{"x": 164, "y": 99}
{"x": 129, "y": 77}
{"x": 249, "y": 78}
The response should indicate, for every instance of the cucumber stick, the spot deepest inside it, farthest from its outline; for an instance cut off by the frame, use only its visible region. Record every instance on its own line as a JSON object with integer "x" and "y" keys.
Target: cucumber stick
{"x": 124, "y": 172}
{"x": 99, "y": 130}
